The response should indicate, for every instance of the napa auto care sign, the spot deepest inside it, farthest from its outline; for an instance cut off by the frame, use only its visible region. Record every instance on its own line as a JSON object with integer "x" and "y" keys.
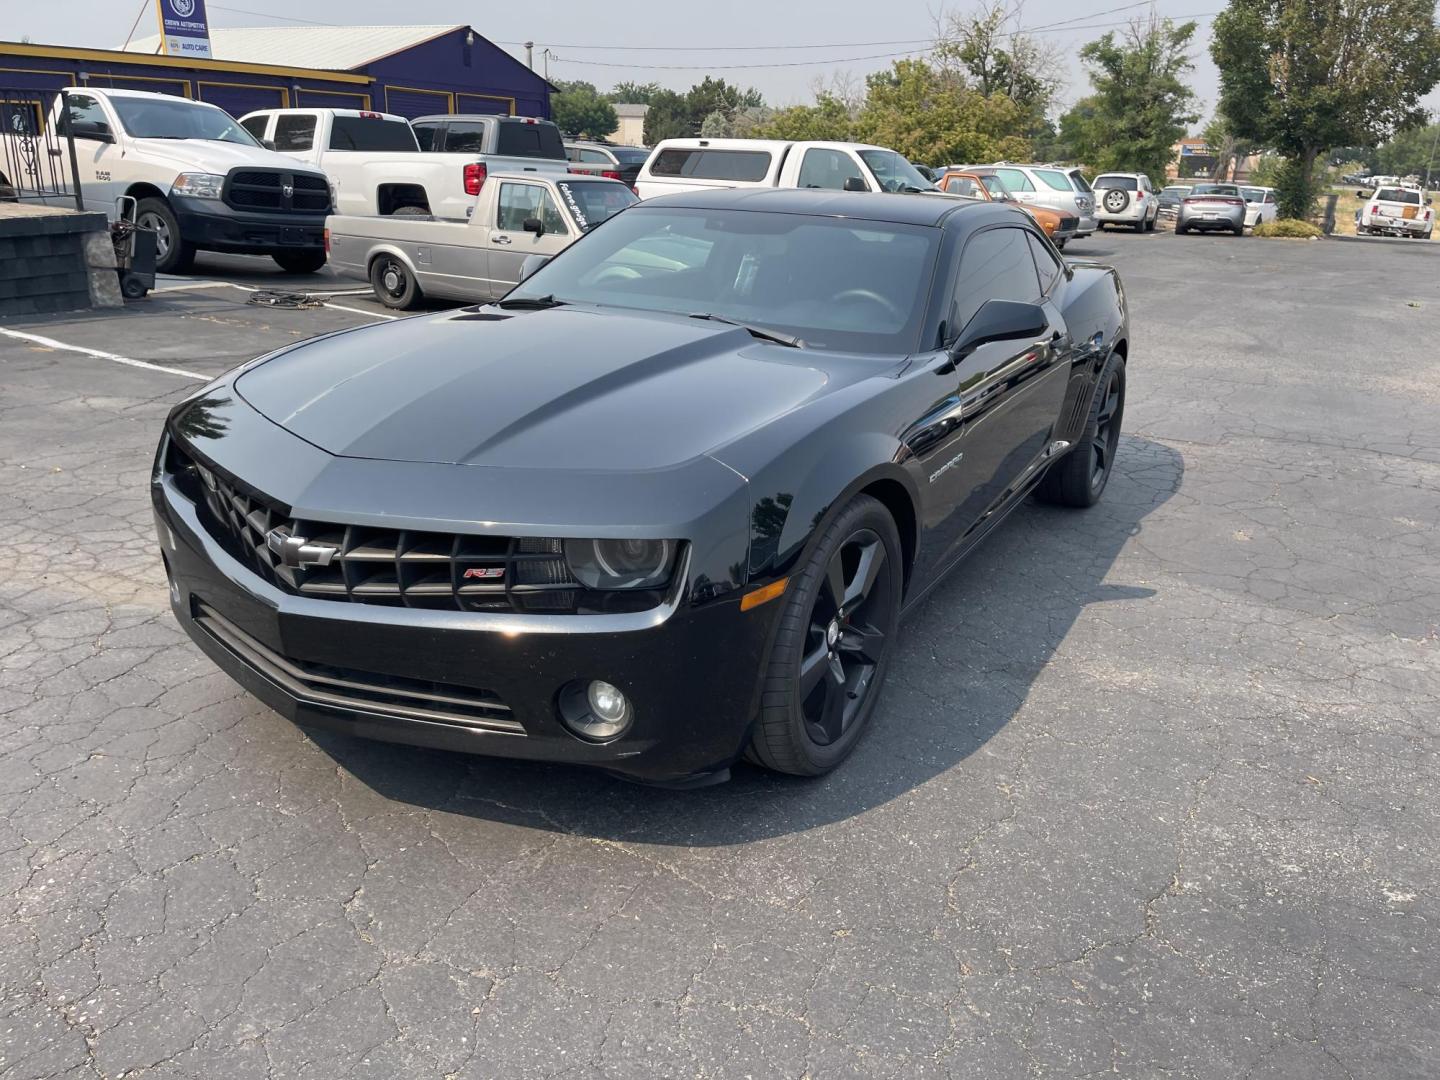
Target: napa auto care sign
{"x": 184, "y": 30}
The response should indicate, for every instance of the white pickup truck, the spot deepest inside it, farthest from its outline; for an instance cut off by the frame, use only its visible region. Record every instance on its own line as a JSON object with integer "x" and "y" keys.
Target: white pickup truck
{"x": 1396, "y": 211}
{"x": 678, "y": 165}
{"x": 516, "y": 216}
{"x": 201, "y": 181}
{"x": 375, "y": 161}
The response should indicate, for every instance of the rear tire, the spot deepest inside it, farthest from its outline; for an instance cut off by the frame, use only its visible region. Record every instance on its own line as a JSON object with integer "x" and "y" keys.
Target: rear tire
{"x": 299, "y": 262}
{"x": 394, "y": 285}
{"x": 1181, "y": 230}
{"x": 1239, "y": 230}
{"x": 1081, "y": 476}
{"x": 173, "y": 253}
{"x": 833, "y": 645}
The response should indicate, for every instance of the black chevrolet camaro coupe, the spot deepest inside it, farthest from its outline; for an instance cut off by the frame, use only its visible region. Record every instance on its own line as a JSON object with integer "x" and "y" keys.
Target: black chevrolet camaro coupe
{"x": 662, "y": 506}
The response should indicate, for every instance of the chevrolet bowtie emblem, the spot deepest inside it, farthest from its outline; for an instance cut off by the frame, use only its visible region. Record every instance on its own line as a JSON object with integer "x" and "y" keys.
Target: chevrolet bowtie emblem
{"x": 297, "y": 552}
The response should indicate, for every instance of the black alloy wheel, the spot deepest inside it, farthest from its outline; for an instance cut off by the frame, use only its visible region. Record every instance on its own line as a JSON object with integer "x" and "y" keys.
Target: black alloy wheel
{"x": 833, "y": 644}
{"x": 1079, "y": 478}
{"x": 394, "y": 285}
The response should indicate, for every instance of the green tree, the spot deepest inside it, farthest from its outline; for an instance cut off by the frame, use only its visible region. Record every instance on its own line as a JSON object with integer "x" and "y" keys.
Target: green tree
{"x": 931, "y": 115}
{"x": 1412, "y": 152}
{"x": 1305, "y": 75}
{"x": 997, "y": 57}
{"x": 633, "y": 93}
{"x": 715, "y": 126}
{"x": 828, "y": 120}
{"x": 668, "y": 117}
{"x": 1228, "y": 149}
{"x": 578, "y": 109}
{"x": 1080, "y": 139}
{"x": 714, "y": 95}
{"x": 1141, "y": 106}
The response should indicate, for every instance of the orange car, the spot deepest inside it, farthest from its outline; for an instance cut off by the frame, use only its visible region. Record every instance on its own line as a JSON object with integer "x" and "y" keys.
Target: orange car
{"x": 983, "y": 184}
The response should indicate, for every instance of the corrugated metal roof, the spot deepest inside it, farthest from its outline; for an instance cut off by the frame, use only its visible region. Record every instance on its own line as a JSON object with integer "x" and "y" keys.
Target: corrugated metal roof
{"x": 336, "y": 48}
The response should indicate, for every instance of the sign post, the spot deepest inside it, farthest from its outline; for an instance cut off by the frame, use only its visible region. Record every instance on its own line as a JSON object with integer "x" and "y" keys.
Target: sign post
{"x": 184, "y": 30}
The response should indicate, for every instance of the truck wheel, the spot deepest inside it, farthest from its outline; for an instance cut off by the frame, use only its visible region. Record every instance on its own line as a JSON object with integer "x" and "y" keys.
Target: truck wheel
{"x": 393, "y": 283}
{"x": 300, "y": 262}
{"x": 173, "y": 253}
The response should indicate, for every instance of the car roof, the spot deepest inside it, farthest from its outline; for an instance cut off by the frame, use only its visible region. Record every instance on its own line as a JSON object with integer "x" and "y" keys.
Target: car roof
{"x": 930, "y": 210}
{"x": 472, "y": 117}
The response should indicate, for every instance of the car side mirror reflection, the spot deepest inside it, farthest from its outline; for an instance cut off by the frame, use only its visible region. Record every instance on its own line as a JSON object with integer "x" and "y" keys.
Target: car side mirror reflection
{"x": 531, "y": 264}
{"x": 535, "y": 225}
{"x": 1000, "y": 320}
{"x": 856, "y": 183}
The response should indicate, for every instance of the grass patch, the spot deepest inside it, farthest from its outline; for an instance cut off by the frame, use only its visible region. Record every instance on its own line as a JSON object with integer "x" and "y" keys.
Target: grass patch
{"x": 1290, "y": 228}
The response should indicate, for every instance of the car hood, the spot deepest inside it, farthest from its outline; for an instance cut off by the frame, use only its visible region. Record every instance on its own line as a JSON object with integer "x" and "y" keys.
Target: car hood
{"x": 564, "y": 388}
{"x": 211, "y": 156}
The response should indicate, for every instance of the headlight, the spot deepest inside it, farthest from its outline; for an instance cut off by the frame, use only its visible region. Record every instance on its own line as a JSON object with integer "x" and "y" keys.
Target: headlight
{"x": 621, "y": 564}
{"x": 198, "y": 185}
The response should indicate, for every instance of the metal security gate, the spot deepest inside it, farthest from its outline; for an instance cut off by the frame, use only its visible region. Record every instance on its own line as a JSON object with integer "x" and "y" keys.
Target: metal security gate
{"x": 36, "y": 161}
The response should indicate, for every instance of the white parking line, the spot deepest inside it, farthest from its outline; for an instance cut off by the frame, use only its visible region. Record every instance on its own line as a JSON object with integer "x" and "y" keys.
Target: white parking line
{"x": 51, "y": 343}
{"x": 252, "y": 288}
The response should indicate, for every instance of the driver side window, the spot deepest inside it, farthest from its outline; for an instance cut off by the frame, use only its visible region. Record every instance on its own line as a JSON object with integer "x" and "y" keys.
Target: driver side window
{"x": 86, "y": 110}
{"x": 518, "y": 202}
{"x": 996, "y": 265}
{"x": 828, "y": 169}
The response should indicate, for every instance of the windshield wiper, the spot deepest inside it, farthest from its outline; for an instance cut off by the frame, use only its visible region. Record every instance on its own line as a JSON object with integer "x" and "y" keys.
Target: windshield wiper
{"x": 537, "y": 302}
{"x": 788, "y": 340}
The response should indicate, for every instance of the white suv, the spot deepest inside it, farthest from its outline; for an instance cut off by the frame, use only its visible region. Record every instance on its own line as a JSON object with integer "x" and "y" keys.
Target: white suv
{"x": 1126, "y": 199}
{"x": 1056, "y": 186}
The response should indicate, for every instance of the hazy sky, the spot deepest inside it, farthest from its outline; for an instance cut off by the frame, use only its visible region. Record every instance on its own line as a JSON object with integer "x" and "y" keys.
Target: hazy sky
{"x": 706, "y": 37}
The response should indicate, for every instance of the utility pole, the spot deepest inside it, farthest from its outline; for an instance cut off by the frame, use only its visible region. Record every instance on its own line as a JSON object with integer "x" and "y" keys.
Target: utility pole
{"x": 546, "y": 55}
{"x": 530, "y": 55}
{"x": 1430, "y": 166}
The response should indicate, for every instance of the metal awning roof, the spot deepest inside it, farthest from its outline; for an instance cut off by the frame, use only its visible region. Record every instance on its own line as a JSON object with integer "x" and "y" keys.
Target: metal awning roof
{"x": 339, "y": 48}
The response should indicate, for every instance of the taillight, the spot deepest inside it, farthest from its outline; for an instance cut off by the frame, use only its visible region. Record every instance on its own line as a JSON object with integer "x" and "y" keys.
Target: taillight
{"x": 610, "y": 174}
{"x": 1234, "y": 202}
{"x": 474, "y": 177}
{"x": 327, "y": 241}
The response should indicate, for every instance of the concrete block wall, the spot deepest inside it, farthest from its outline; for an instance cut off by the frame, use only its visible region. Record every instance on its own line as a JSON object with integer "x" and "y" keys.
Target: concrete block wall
{"x": 53, "y": 259}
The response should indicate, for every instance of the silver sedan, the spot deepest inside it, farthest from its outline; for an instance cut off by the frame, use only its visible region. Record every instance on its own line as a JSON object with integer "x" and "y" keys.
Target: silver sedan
{"x": 1212, "y": 206}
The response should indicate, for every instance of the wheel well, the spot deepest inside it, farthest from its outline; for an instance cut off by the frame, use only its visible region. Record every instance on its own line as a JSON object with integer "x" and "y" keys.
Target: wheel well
{"x": 893, "y": 496}
{"x": 391, "y": 197}
{"x": 1122, "y": 349}
{"x": 144, "y": 191}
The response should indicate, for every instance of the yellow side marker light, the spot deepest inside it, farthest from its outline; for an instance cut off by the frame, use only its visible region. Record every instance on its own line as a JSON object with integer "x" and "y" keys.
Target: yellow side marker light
{"x": 764, "y": 594}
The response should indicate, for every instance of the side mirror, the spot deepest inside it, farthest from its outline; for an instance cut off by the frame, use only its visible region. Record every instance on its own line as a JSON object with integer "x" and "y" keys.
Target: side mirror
{"x": 856, "y": 183}
{"x": 531, "y": 264}
{"x": 269, "y": 144}
{"x": 1000, "y": 320}
{"x": 91, "y": 129}
{"x": 535, "y": 225}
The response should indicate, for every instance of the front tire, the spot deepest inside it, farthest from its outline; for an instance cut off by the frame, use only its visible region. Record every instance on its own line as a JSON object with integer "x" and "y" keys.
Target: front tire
{"x": 394, "y": 285}
{"x": 173, "y": 253}
{"x": 299, "y": 262}
{"x": 1081, "y": 476}
{"x": 833, "y": 645}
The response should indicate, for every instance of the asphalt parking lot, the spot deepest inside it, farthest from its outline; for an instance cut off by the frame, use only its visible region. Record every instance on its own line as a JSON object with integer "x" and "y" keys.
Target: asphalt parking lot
{"x": 1152, "y": 790}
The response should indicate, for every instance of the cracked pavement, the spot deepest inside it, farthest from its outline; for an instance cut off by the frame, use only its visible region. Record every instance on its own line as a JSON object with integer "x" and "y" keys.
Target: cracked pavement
{"x": 1152, "y": 790}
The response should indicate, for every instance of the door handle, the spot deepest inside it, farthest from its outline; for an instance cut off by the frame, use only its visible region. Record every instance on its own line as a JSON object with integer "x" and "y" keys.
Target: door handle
{"x": 501, "y": 239}
{"x": 55, "y": 151}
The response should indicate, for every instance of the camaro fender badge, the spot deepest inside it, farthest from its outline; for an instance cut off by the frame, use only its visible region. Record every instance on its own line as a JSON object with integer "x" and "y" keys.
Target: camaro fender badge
{"x": 297, "y": 552}
{"x": 943, "y": 469}
{"x": 484, "y": 573}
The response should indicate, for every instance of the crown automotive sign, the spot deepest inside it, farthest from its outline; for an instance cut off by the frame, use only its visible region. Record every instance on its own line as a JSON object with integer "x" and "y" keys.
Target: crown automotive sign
{"x": 183, "y": 28}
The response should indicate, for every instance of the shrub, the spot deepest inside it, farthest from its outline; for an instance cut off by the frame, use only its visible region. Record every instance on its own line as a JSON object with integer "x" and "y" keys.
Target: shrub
{"x": 1288, "y": 228}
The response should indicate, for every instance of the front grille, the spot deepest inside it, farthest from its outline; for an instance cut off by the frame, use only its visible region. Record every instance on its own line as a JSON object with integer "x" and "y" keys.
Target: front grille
{"x": 391, "y": 567}
{"x": 265, "y": 189}
{"x": 390, "y": 695}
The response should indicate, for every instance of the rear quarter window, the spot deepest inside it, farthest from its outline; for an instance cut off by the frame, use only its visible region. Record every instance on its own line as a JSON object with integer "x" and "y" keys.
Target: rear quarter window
{"x": 371, "y": 133}
{"x": 744, "y": 166}
{"x": 1051, "y": 178}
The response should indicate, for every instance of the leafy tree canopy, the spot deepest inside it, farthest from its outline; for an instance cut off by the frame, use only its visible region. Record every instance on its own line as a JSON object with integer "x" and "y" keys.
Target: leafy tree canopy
{"x": 828, "y": 120}
{"x": 578, "y": 109}
{"x": 932, "y": 116}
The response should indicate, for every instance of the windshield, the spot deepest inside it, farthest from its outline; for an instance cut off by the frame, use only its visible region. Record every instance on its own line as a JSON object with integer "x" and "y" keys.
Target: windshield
{"x": 1214, "y": 189}
{"x": 1118, "y": 183}
{"x": 859, "y": 286}
{"x": 593, "y": 201}
{"x": 1400, "y": 195}
{"x": 148, "y": 118}
{"x": 893, "y": 172}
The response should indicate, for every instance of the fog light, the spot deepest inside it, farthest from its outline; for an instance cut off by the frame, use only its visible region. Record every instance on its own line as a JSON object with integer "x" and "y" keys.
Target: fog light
{"x": 597, "y": 710}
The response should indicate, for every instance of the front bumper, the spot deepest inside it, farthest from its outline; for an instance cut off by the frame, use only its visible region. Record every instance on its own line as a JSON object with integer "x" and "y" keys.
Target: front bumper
{"x": 213, "y": 226}
{"x": 691, "y": 672}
